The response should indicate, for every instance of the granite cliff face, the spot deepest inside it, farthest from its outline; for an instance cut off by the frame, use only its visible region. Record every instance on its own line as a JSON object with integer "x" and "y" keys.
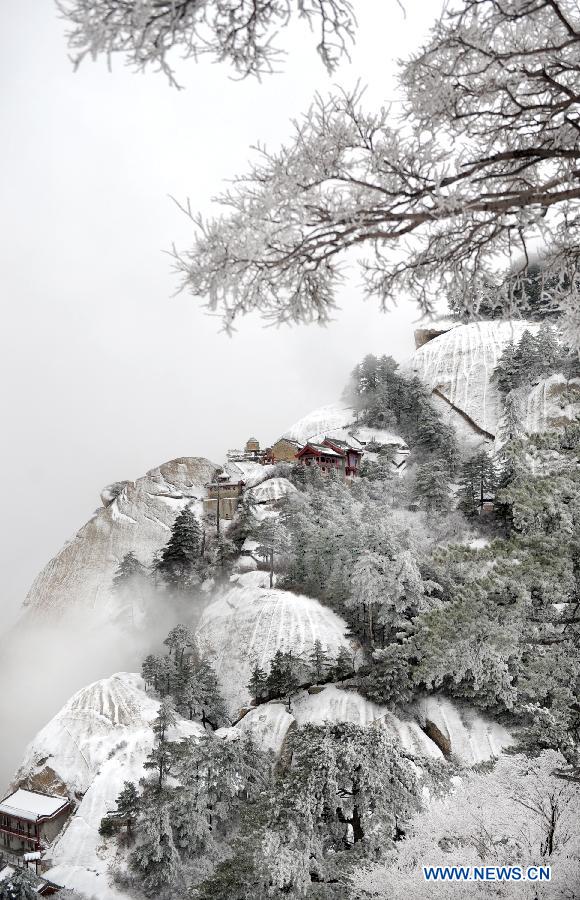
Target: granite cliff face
{"x": 457, "y": 366}
{"x": 136, "y": 516}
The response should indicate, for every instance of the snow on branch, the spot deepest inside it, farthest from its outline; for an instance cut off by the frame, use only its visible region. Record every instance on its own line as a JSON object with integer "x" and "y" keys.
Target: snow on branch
{"x": 453, "y": 199}
{"x": 239, "y": 32}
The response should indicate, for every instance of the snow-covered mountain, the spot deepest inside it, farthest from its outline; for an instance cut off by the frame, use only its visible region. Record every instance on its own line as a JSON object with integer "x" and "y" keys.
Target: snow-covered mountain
{"x": 102, "y": 735}
{"x": 97, "y": 741}
{"x": 135, "y": 516}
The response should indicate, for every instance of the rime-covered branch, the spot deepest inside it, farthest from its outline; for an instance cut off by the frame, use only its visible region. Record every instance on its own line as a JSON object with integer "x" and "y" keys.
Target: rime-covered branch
{"x": 239, "y": 32}
{"x": 483, "y": 169}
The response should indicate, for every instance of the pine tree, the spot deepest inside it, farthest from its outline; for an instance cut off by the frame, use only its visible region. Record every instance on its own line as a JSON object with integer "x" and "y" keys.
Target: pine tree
{"x": 129, "y": 804}
{"x": 162, "y": 757}
{"x": 198, "y": 693}
{"x": 510, "y": 425}
{"x": 179, "y": 639}
{"x": 156, "y": 859}
{"x": 291, "y": 681}
{"x": 504, "y": 374}
{"x": 179, "y": 561}
{"x": 224, "y": 555}
{"x": 129, "y": 570}
{"x": 433, "y": 437}
{"x": 275, "y": 679}
{"x": 478, "y": 482}
{"x": 343, "y": 666}
{"x": 23, "y": 885}
{"x": 318, "y": 660}
{"x": 432, "y": 486}
{"x": 168, "y": 675}
{"x": 389, "y": 681}
{"x": 151, "y": 671}
{"x": 220, "y": 778}
{"x": 257, "y": 684}
{"x": 282, "y": 680}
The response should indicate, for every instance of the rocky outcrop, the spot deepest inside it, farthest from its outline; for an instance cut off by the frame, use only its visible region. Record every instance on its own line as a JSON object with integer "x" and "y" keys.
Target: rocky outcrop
{"x": 552, "y": 403}
{"x": 250, "y": 621}
{"x": 433, "y": 728}
{"x": 458, "y": 366}
{"x": 137, "y": 516}
{"x": 321, "y": 421}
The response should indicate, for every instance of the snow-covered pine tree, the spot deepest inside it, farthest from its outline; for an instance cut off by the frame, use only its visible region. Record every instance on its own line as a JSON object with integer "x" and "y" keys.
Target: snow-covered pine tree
{"x": 282, "y": 680}
{"x": 128, "y": 804}
{"x": 389, "y": 680}
{"x": 22, "y": 885}
{"x": 257, "y": 684}
{"x": 162, "y": 757}
{"x": 511, "y": 425}
{"x": 156, "y": 859}
{"x": 224, "y": 554}
{"x": 318, "y": 660}
{"x": 179, "y": 561}
{"x": 198, "y": 695}
{"x": 152, "y": 671}
{"x": 179, "y": 639}
{"x": 343, "y": 666}
{"x": 219, "y": 778}
{"x": 478, "y": 482}
{"x": 431, "y": 488}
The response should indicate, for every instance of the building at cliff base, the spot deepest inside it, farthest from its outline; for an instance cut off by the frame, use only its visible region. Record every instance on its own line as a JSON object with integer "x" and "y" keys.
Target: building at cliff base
{"x": 29, "y": 823}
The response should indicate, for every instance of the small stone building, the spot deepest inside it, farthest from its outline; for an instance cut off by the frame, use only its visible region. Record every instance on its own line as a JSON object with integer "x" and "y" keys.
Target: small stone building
{"x": 29, "y": 822}
{"x": 252, "y": 445}
{"x": 226, "y": 493}
{"x": 284, "y": 450}
{"x": 250, "y": 453}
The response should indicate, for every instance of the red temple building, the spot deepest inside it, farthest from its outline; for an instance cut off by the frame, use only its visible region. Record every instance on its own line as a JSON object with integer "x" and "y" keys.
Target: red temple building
{"x": 331, "y": 455}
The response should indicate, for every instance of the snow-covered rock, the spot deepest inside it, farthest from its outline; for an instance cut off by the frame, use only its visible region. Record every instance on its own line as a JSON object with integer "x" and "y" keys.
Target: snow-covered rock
{"x": 321, "y": 421}
{"x": 335, "y": 704}
{"x": 138, "y": 517}
{"x": 76, "y": 742}
{"x": 457, "y": 366}
{"x": 112, "y": 491}
{"x": 250, "y": 621}
{"x": 271, "y": 490}
{"x": 471, "y": 738}
{"x": 460, "y": 731}
{"x": 247, "y": 470}
{"x": 268, "y": 725}
{"x": 552, "y": 403}
{"x": 99, "y": 740}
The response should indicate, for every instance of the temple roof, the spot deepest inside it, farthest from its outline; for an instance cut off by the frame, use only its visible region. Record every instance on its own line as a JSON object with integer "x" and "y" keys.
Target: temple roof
{"x": 31, "y": 806}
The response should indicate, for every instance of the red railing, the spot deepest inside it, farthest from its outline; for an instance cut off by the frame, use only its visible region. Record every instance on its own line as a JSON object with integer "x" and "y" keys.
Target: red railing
{"x": 23, "y": 835}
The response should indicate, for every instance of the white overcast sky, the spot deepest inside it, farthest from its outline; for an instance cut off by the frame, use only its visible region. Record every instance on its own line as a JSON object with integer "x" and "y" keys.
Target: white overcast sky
{"x": 104, "y": 373}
